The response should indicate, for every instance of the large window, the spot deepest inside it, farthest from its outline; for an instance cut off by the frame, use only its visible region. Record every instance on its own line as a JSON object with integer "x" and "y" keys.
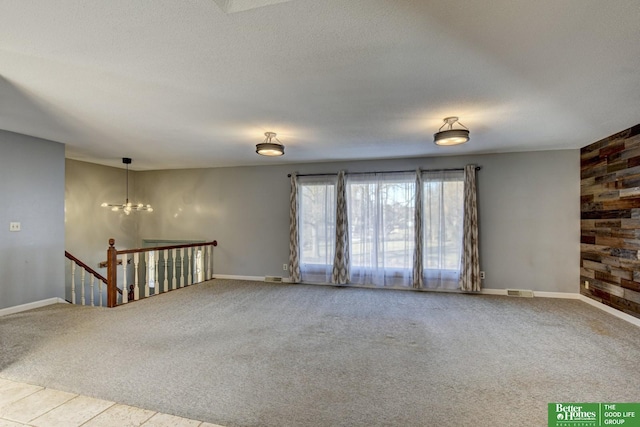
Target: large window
{"x": 443, "y": 215}
{"x": 381, "y": 213}
{"x": 381, "y": 210}
{"x": 317, "y": 222}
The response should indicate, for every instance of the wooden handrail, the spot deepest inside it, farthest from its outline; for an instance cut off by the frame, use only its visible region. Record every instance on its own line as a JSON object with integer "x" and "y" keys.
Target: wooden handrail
{"x": 86, "y": 267}
{"x": 159, "y": 248}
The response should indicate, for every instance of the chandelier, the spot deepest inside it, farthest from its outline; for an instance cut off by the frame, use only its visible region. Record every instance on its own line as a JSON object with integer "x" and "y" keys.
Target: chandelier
{"x": 127, "y": 207}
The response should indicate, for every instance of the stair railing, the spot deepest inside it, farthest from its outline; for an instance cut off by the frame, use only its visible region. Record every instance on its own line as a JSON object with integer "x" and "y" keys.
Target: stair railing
{"x": 182, "y": 265}
{"x": 95, "y": 279}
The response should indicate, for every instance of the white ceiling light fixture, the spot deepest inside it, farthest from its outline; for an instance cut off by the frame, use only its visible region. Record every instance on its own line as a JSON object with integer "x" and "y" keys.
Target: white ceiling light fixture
{"x": 127, "y": 207}
{"x": 451, "y": 136}
{"x": 270, "y": 148}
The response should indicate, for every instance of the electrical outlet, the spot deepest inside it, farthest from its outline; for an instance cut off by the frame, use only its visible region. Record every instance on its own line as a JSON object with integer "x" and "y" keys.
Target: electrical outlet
{"x": 285, "y": 267}
{"x": 14, "y": 226}
{"x": 482, "y": 275}
{"x": 586, "y": 284}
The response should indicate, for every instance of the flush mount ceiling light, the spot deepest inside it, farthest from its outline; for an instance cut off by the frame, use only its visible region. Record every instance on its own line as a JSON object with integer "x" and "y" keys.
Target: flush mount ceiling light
{"x": 451, "y": 136}
{"x": 268, "y": 147}
{"x": 127, "y": 207}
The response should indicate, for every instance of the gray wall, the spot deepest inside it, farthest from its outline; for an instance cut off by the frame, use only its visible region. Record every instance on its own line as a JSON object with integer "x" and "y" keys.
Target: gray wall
{"x": 528, "y": 211}
{"x": 530, "y": 220}
{"x": 32, "y": 173}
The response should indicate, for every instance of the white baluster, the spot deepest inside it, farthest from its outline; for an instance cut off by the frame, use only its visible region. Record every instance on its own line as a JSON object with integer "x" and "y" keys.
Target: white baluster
{"x": 82, "y": 273}
{"x": 173, "y": 268}
{"x": 92, "y": 282}
{"x": 73, "y": 282}
{"x": 155, "y": 273}
{"x": 194, "y": 264}
{"x": 203, "y": 263}
{"x": 136, "y": 288}
{"x": 166, "y": 269}
{"x": 125, "y": 287}
{"x": 190, "y": 265}
{"x": 100, "y": 291}
{"x": 146, "y": 274}
{"x": 199, "y": 265}
{"x": 182, "y": 267}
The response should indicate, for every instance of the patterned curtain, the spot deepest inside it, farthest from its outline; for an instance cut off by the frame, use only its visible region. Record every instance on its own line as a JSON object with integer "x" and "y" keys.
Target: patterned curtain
{"x": 418, "y": 279}
{"x": 340, "y": 273}
{"x": 470, "y": 277}
{"x": 294, "y": 239}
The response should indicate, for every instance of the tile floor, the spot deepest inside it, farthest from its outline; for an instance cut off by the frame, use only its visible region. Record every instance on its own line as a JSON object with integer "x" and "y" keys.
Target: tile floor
{"x": 29, "y": 405}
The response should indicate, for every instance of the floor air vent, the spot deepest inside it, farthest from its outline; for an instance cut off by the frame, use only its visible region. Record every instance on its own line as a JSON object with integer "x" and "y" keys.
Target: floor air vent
{"x": 519, "y": 293}
{"x": 273, "y": 279}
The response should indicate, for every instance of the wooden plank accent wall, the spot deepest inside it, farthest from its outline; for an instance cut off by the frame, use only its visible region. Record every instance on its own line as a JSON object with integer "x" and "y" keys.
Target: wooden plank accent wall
{"x": 610, "y": 221}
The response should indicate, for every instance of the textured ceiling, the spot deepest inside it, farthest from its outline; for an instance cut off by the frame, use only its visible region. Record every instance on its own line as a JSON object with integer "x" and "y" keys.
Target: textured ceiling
{"x": 196, "y": 83}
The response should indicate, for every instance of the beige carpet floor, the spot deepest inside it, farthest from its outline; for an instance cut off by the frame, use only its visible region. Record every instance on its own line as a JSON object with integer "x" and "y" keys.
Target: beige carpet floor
{"x": 242, "y": 353}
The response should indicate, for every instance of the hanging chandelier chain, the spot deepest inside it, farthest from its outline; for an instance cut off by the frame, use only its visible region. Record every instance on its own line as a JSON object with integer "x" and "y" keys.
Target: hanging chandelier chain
{"x": 127, "y": 184}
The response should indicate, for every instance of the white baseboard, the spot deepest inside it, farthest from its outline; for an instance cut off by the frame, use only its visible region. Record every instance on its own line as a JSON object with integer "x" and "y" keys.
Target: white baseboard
{"x": 539, "y": 294}
{"x": 563, "y": 295}
{"x": 619, "y": 314}
{"x": 570, "y": 295}
{"x": 31, "y": 306}
{"x": 252, "y": 278}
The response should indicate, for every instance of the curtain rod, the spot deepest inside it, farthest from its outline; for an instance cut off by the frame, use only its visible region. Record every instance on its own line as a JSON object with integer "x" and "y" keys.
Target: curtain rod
{"x": 364, "y": 173}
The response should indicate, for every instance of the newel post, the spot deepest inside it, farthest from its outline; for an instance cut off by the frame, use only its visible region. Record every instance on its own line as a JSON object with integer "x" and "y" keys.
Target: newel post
{"x": 112, "y": 275}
